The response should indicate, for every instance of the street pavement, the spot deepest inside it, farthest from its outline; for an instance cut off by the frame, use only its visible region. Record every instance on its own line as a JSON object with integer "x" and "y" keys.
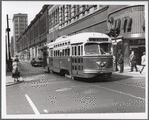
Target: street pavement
{"x": 47, "y": 93}
{"x": 25, "y": 71}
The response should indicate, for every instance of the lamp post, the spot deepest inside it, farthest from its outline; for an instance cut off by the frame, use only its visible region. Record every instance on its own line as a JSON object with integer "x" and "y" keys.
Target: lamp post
{"x": 9, "y": 59}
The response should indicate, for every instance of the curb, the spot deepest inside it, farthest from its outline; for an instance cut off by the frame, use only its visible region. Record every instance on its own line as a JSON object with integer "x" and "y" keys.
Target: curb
{"x": 14, "y": 82}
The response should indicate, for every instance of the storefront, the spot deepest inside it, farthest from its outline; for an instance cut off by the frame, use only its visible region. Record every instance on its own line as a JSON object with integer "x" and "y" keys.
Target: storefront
{"x": 127, "y": 30}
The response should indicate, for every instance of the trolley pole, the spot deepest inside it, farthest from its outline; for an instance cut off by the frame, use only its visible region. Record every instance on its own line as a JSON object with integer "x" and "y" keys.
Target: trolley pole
{"x": 9, "y": 58}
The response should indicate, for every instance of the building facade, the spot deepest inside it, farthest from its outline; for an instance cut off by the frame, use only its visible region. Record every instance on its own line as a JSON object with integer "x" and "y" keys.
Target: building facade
{"x": 123, "y": 23}
{"x": 20, "y": 23}
{"x": 12, "y": 46}
{"x": 34, "y": 38}
{"x": 126, "y": 22}
{"x": 129, "y": 25}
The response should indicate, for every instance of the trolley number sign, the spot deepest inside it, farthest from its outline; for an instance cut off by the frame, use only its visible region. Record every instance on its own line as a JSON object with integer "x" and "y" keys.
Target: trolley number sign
{"x": 98, "y": 39}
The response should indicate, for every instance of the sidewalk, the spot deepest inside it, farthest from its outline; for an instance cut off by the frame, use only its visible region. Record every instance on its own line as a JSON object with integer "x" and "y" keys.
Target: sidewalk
{"x": 10, "y": 80}
{"x": 134, "y": 73}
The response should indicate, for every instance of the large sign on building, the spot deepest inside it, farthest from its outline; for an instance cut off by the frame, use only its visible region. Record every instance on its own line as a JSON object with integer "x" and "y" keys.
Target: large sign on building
{"x": 127, "y": 20}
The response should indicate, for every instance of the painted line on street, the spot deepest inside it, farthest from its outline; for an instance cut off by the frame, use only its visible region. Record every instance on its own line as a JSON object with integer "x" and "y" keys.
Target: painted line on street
{"x": 119, "y": 92}
{"x": 32, "y": 105}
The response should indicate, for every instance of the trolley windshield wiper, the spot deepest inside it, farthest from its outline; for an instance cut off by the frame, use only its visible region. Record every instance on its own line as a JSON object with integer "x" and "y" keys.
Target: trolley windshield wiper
{"x": 103, "y": 51}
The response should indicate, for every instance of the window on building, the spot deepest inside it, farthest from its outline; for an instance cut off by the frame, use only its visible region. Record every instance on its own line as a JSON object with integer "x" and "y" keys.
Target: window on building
{"x": 57, "y": 15}
{"x": 42, "y": 26}
{"x": 50, "y": 20}
{"x": 69, "y": 11}
{"x": 63, "y": 13}
{"x": 36, "y": 31}
{"x": 84, "y": 7}
{"x": 74, "y": 7}
{"x": 78, "y": 9}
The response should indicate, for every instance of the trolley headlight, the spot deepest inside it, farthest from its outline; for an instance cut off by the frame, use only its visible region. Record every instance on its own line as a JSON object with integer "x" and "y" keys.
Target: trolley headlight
{"x": 102, "y": 64}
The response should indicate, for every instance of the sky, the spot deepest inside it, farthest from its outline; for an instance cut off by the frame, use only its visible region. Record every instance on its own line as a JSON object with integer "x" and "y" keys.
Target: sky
{"x": 14, "y": 7}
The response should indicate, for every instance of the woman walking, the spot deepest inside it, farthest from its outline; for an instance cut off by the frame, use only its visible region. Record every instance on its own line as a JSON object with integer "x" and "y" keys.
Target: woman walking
{"x": 15, "y": 69}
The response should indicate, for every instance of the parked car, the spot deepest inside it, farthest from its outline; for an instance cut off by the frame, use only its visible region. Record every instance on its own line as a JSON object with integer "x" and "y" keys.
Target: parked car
{"x": 37, "y": 62}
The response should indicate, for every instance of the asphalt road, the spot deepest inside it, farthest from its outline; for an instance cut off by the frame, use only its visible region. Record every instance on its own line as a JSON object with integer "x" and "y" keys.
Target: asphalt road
{"x": 47, "y": 93}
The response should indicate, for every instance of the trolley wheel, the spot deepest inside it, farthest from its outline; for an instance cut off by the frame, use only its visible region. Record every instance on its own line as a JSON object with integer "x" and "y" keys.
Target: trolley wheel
{"x": 74, "y": 78}
{"x": 48, "y": 70}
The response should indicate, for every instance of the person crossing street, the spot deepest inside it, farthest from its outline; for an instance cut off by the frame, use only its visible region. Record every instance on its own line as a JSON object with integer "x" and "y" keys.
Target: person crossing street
{"x": 133, "y": 61}
{"x": 143, "y": 62}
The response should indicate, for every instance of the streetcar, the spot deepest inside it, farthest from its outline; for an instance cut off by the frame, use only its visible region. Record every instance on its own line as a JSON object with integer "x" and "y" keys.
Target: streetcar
{"x": 83, "y": 55}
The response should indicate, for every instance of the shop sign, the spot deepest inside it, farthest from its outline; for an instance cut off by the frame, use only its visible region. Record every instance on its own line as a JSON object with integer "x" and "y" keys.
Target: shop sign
{"x": 137, "y": 42}
{"x": 122, "y": 19}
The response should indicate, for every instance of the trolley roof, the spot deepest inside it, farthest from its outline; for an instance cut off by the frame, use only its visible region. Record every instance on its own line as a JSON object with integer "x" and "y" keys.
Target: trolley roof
{"x": 78, "y": 38}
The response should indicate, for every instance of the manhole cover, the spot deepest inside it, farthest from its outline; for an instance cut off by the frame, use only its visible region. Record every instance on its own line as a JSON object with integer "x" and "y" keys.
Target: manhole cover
{"x": 63, "y": 89}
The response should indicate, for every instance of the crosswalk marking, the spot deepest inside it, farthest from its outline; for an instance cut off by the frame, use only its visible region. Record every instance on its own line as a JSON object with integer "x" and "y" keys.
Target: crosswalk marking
{"x": 32, "y": 105}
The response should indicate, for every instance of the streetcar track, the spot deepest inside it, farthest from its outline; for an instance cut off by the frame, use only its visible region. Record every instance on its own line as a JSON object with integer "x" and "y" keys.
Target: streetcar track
{"x": 129, "y": 85}
{"x": 119, "y": 92}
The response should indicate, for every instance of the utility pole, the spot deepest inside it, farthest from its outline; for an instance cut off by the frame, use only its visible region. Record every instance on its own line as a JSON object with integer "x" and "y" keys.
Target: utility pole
{"x": 9, "y": 59}
{"x": 6, "y": 55}
{"x": 6, "y": 49}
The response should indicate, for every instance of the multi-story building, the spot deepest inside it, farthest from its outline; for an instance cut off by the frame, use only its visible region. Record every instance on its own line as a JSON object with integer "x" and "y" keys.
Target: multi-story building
{"x": 20, "y": 23}
{"x": 53, "y": 21}
{"x": 35, "y": 35}
{"x": 12, "y": 47}
{"x": 127, "y": 22}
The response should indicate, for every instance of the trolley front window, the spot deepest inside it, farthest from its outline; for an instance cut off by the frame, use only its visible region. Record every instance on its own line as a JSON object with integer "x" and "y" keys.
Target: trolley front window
{"x": 98, "y": 48}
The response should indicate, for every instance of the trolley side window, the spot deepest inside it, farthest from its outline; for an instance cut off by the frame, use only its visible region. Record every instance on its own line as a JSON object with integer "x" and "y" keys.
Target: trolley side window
{"x": 79, "y": 50}
{"x": 51, "y": 53}
{"x": 75, "y": 50}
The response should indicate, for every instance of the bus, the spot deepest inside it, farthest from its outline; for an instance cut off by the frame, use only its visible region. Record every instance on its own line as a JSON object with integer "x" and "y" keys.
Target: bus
{"x": 83, "y": 55}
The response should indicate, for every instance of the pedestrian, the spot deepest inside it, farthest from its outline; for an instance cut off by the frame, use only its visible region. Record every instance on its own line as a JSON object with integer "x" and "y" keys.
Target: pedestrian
{"x": 133, "y": 61}
{"x": 121, "y": 62}
{"x": 143, "y": 61}
{"x": 15, "y": 69}
{"x": 114, "y": 63}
